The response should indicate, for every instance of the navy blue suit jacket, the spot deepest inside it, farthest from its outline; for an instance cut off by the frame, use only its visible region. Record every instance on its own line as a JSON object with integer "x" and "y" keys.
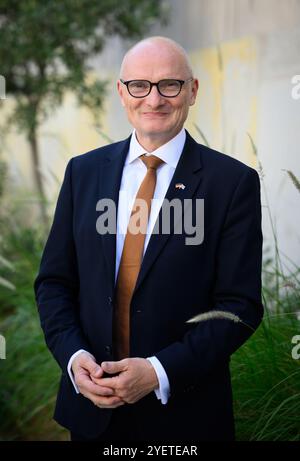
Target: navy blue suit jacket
{"x": 75, "y": 290}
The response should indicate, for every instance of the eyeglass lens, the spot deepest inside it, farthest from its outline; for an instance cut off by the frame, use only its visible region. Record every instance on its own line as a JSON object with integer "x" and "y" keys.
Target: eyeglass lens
{"x": 141, "y": 88}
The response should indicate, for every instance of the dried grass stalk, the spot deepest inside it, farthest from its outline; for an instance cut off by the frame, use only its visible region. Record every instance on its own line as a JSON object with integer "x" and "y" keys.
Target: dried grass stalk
{"x": 211, "y": 315}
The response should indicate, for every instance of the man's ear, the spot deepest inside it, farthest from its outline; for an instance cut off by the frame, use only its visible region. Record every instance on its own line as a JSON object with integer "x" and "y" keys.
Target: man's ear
{"x": 120, "y": 91}
{"x": 195, "y": 87}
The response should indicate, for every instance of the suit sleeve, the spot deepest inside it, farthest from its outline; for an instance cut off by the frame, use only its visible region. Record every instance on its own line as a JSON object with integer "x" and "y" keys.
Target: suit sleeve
{"x": 57, "y": 284}
{"x": 237, "y": 290}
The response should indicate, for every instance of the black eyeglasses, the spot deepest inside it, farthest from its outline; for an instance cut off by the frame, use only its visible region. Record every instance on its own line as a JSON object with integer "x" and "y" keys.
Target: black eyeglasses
{"x": 168, "y": 88}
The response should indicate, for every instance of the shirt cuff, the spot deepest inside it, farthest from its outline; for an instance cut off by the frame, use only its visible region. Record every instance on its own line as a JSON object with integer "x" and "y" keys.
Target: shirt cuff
{"x": 69, "y": 368}
{"x": 163, "y": 393}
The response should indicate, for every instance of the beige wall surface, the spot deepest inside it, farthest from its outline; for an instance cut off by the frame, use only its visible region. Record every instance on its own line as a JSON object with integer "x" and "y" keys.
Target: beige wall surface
{"x": 245, "y": 53}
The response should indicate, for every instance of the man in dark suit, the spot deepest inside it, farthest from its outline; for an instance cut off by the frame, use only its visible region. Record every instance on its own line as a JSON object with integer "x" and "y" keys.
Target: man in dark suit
{"x": 115, "y": 303}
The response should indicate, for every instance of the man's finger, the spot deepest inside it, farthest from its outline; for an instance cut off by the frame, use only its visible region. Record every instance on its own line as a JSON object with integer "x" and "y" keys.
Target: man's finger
{"x": 86, "y": 385}
{"x": 86, "y": 361}
{"x": 108, "y": 401}
{"x": 93, "y": 368}
{"x": 111, "y": 406}
{"x": 106, "y": 382}
{"x": 104, "y": 402}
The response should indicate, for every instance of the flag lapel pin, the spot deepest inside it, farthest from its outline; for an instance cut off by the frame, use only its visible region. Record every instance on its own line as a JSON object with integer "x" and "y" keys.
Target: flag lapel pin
{"x": 179, "y": 185}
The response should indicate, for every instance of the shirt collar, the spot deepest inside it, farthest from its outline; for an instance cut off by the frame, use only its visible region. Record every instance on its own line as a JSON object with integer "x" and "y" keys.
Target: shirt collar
{"x": 169, "y": 152}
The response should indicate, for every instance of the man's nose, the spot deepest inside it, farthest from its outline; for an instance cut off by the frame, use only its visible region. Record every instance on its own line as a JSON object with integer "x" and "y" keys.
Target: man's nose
{"x": 155, "y": 98}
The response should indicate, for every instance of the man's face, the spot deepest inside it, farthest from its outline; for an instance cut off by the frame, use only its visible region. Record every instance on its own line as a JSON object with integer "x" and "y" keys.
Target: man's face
{"x": 155, "y": 116}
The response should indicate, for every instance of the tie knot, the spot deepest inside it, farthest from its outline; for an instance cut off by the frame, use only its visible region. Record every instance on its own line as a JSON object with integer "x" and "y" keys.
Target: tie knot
{"x": 151, "y": 161}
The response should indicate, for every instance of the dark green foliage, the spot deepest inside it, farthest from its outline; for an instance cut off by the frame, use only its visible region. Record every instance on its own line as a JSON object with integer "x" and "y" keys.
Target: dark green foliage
{"x": 266, "y": 383}
{"x": 29, "y": 376}
{"x": 46, "y": 46}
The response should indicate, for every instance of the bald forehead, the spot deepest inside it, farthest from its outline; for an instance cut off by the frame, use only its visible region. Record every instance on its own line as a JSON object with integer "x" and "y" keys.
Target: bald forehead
{"x": 157, "y": 52}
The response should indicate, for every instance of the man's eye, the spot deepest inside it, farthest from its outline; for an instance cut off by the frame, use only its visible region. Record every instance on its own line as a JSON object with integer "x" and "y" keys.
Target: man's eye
{"x": 172, "y": 85}
{"x": 138, "y": 85}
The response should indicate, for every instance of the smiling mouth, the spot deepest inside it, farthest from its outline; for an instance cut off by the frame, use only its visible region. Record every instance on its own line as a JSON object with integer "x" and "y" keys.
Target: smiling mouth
{"x": 155, "y": 114}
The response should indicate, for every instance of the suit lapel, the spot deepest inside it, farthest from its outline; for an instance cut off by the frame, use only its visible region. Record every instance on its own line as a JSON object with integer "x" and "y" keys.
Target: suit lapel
{"x": 110, "y": 176}
{"x": 188, "y": 172}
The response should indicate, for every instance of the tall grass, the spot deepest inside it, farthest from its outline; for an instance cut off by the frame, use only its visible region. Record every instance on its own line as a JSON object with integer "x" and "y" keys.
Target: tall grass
{"x": 264, "y": 374}
{"x": 28, "y": 376}
{"x": 265, "y": 381}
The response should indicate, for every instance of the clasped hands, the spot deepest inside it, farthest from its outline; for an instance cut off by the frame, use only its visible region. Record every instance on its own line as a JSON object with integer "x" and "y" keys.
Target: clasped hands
{"x": 133, "y": 379}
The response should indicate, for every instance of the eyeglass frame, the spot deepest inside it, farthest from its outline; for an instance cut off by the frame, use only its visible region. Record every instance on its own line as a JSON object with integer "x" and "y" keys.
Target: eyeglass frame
{"x": 182, "y": 82}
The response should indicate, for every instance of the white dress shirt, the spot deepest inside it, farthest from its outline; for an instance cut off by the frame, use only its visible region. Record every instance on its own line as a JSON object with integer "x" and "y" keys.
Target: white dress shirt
{"x": 134, "y": 172}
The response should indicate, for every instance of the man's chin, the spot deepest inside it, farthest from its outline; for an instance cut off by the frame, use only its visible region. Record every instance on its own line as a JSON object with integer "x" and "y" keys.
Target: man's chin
{"x": 156, "y": 129}
{"x": 156, "y": 134}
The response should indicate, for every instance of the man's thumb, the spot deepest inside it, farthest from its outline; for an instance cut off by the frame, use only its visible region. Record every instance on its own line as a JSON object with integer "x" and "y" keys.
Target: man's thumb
{"x": 93, "y": 368}
{"x": 112, "y": 367}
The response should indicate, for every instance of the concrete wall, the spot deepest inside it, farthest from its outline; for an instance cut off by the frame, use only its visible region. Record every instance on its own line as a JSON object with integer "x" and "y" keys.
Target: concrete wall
{"x": 245, "y": 53}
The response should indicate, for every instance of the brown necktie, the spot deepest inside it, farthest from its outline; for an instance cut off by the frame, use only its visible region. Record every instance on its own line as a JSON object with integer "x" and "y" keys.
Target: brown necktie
{"x": 132, "y": 256}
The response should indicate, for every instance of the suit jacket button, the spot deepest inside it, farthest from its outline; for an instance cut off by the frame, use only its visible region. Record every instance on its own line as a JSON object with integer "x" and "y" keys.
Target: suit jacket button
{"x": 110, "y": 300}
{"x": 108, "y": 349}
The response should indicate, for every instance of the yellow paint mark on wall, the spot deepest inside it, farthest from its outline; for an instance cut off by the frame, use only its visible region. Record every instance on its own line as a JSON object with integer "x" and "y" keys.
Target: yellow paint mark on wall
{"x": 226, "y": 109}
